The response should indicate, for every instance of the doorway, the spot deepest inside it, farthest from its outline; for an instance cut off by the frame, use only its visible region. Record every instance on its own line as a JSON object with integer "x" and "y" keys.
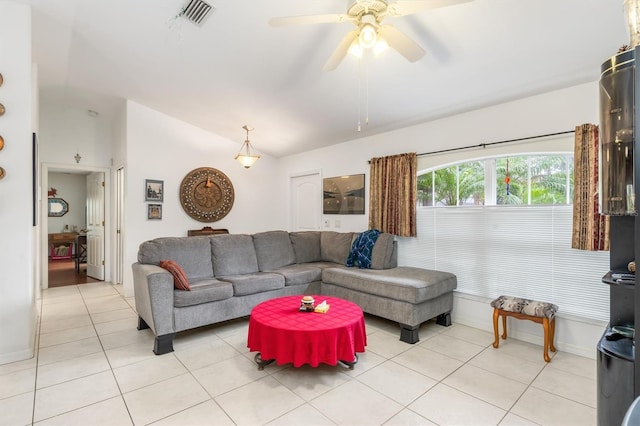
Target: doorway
{"x": 66, "y": 255}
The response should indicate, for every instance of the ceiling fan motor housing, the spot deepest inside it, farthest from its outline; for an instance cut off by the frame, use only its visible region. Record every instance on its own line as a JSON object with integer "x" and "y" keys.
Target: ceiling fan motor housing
{"x": 359, "y": 8}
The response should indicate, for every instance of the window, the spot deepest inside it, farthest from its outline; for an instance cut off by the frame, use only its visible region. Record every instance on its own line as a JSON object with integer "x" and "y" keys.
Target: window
{"x": 501, "y": 247}
{"x": 461, "y": 185}
{"x": 532, "y": 180}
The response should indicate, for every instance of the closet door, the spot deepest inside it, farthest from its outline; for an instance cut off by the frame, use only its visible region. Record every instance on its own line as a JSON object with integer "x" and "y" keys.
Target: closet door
{"x": 306, "y": 201}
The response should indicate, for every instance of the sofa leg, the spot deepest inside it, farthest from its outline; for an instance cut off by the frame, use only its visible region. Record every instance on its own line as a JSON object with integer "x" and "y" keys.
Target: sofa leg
{"x": 142, "y": 324}
{"x": 409, "y": 333}
{"x": 163, "y": 344}
{"x": 444, "y": 319}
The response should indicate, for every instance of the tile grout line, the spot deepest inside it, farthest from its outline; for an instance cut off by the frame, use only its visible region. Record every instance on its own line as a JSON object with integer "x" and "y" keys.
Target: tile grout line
{"x": 104, "y": 352}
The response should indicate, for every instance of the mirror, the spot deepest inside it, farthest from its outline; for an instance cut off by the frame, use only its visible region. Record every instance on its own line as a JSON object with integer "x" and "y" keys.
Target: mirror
{"x": 57, "y": 207}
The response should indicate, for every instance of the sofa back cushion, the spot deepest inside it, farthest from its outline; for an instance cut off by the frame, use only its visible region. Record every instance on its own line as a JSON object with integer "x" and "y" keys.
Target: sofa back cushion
{"x": 382, "y": 256}
{"x": 306, "y": 246}
{"x": 273, "y": 250}
{"x": 193, "y": 254}
{"x": 335, "y": 246}
{"x": 233, "y": 254}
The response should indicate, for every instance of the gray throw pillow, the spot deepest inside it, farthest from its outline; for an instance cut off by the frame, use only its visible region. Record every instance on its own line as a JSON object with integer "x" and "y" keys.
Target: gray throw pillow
{"x": 382, "y": 252}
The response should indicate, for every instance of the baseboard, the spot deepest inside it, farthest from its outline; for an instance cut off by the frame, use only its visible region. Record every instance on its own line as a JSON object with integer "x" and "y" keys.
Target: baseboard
{"x": 574, "y": 335}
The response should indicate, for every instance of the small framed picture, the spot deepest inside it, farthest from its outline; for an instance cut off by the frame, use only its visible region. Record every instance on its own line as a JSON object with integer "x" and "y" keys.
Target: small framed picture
{"x": 154, "y": 211}
{"x": 153, "y": 190}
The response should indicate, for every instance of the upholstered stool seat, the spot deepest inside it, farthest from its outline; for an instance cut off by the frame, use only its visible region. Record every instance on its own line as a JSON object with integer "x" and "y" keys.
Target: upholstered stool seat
{"x": 533, "y": 310}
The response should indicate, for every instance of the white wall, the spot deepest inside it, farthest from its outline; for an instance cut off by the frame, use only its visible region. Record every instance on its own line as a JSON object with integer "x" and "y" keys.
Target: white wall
{"x": 72, "y": 188}
{"x": 162, "y": 148}
{"x": 65, "y": 131}
{"x": 18, "y": 312}
{"x": 551, "y": 112}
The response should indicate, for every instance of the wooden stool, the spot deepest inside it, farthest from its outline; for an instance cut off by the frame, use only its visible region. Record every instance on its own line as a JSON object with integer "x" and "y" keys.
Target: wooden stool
{"x": 540, "y": 312}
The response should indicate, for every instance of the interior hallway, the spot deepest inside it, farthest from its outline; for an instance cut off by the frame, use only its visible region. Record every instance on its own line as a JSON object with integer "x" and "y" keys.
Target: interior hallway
{"x": 63, "y": 273}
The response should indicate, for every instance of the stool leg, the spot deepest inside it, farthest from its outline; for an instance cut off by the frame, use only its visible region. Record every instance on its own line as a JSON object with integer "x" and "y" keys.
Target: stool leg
{"x": 552, "y": 334}
{"x": 545, "y": 325}
{"x": 496, "y": 314}
{"x": 504, "y": 327}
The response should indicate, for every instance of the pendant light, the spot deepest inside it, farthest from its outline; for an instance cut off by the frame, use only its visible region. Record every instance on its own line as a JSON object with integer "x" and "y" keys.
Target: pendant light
{"x": 244, "y": 156}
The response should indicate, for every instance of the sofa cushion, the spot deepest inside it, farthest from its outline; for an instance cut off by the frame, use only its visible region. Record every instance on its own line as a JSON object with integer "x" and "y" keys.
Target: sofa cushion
{"x": 203, "y": 292}
{"x": 233, "y": 254}
{"x": 306, "y": 246}
{"x": 254, "y": 283}
{"x": 335, "y": 246}
{"x": 180, "y": 280}
{"x": 299, "y": 274}
{"x": 382, "y": 255}
{"x": 273, "y": 250}
{"x": 192, "y": 254}
{"x": 408, "y": 284}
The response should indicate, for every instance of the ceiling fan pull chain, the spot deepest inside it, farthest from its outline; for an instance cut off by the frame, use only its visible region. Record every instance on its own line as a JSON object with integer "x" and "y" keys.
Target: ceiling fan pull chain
{"x": 366, "y": 118}
{"x": 359, "y": 93}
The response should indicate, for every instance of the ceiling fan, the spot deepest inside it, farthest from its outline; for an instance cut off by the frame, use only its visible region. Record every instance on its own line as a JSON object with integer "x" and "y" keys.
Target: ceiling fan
{"x": 367, "y": 16}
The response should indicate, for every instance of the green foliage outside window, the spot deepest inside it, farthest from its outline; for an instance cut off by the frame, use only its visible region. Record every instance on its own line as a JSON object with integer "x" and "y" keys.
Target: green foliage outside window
{"x": 539, "y": 180}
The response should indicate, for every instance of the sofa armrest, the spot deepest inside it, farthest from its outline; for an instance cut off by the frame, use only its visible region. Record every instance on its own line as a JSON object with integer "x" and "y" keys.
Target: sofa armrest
{"x": 153, "y": 289}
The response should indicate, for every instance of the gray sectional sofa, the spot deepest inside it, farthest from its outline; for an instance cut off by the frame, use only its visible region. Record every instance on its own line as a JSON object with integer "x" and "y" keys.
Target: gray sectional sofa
{"x": 230, "y": 274}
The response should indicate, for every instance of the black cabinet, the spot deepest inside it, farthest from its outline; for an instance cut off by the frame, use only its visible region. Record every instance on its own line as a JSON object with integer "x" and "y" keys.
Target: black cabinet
{"x": 616, "y": 357}
{"x": 618, "y": 373}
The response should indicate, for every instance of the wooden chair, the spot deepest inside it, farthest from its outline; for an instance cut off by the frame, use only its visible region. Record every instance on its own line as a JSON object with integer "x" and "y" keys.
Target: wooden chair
{"x": 81, "y": 251}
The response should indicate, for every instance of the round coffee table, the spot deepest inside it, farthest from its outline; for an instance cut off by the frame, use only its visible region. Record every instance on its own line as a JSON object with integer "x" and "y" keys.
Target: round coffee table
{"x": 280, "y": 332}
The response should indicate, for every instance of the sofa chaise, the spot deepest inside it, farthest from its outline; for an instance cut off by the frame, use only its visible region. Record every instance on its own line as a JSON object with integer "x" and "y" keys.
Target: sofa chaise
{"x": 229, "y": 274}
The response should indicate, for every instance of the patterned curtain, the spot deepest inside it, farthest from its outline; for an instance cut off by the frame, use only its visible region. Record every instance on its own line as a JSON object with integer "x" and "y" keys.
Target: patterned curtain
{"x": 393, "y": 194}
{"x": 590, "y": 228}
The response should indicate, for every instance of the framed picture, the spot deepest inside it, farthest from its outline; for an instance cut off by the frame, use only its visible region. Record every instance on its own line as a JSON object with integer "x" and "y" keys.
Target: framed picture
{"x": 153, "y": 190}
{"x": 343, "y": 195}
{"x": 154, "y": 211}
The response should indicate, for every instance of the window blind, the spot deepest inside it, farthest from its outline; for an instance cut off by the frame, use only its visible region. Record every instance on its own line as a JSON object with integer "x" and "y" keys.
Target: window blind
{"x": 522, "y": 251}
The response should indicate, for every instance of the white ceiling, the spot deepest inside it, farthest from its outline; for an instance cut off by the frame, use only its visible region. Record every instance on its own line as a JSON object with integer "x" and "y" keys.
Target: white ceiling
{"x": 235, "y": 69}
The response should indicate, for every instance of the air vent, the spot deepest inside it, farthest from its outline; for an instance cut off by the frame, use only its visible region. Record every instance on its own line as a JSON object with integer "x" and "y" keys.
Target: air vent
{"x": 196, "y": 11}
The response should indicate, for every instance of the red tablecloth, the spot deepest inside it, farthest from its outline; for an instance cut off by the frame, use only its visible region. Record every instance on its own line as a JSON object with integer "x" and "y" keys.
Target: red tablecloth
{"x": 280, "y": 331}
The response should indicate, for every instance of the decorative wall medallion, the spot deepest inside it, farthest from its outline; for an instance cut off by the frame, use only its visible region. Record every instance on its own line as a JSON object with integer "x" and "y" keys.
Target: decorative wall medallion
{"x": 206, "y": 194}
{"x": 1, "y": 142}
{"x": 2, "y": 110}
{"x": 1, "y": 80}
{"x": 2, "y": 173}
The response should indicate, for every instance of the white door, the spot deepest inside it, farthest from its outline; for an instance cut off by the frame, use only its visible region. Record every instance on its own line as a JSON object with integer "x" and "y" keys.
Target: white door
{"x": 95, "y": 225}
{"x": 306, "y": 201}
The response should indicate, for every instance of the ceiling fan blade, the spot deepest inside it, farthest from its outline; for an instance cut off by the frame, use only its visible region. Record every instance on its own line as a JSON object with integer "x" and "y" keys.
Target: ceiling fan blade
{"x": 339, "y": 54}
{"x": 409, "y": 7}
{"x": 308, "y": 19}
{"x": 403, "y": 44}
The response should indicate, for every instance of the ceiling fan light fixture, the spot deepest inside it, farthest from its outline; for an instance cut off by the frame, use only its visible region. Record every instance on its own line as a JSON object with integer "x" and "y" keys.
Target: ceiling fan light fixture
{"x": 355, "y": 50}
{"x": 368, "y": 36}
{"x": 381, "y": 46}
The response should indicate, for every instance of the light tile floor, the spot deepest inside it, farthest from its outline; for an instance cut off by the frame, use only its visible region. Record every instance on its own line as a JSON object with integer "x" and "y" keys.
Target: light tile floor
{"x": 93, "y": 367}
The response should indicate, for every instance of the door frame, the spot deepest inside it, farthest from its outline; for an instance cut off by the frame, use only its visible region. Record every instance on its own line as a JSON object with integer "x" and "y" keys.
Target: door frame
{"x": 45, "y": 168}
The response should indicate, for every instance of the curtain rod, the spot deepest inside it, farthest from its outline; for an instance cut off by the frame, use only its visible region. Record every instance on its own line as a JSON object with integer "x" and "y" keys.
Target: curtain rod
{"x": 484, "y": 145}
